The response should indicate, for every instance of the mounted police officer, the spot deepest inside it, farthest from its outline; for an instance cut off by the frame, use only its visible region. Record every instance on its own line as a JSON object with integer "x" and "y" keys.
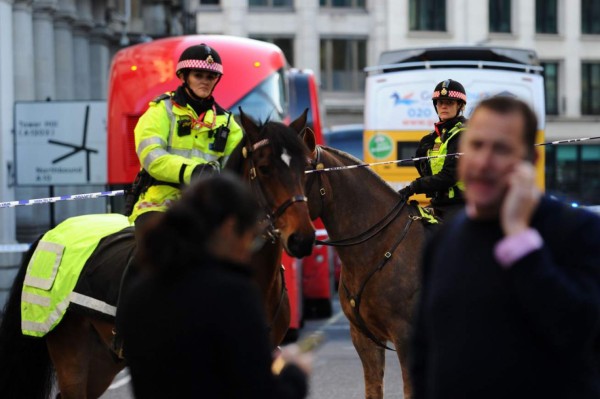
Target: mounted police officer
{"x": 183, "y": 135}
{"x": 438, "y": 179}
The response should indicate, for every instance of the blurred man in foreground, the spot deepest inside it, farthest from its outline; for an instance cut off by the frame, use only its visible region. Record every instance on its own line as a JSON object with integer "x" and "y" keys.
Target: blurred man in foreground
{"x": 510, "y": 302}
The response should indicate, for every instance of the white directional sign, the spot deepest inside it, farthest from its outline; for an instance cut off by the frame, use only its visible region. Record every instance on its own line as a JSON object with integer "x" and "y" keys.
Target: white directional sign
{"x": 60, "y": 142}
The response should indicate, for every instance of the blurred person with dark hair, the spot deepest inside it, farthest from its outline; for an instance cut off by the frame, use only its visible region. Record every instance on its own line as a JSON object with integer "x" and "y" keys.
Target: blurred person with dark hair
{"x": 510, "y": 298}
{"x": 193, "y": 324}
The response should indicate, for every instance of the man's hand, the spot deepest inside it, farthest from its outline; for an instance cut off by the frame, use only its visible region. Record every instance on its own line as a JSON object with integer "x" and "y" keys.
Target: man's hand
{"x": 406, "y": 192}
{"x": 521, "y": 200}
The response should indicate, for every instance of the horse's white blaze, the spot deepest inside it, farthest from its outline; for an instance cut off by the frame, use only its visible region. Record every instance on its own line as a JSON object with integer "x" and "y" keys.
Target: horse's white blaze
{"x": 285, "y": 157}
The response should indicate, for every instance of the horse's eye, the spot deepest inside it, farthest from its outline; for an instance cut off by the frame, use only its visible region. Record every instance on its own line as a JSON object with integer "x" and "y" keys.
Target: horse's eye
{"x": 264, "y": 170}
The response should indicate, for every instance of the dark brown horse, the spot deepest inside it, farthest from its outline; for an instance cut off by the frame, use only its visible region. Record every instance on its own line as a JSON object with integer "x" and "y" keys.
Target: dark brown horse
{"x": 272, "y": 159}
{"x": 379, "y": 244}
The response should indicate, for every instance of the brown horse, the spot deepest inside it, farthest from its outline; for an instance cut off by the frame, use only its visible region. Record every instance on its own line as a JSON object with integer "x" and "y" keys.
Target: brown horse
{"x": 379, "y": 244}
{"x": 272, "y": 159}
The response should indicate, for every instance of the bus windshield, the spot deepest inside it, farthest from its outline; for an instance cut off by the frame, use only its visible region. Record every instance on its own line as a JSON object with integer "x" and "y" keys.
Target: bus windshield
{"x": 265, "y": 101}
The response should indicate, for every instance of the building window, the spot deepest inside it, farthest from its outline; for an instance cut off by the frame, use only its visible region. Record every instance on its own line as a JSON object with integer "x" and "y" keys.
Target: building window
{"x": 590, "y": 17}
{"x": 342, "y": 64}
{"x": 286, "y": 44}
{"x": 551, "y": 87}
{"x": 427, "y": 15}
{"x": 573, "y": 173}
{"x": 271, "y": 3}
{"x": 590, "y": 88}
{"x": 546, "y": 16}
{"x": 499, "y": 16}
{"x": 343, "y": 3}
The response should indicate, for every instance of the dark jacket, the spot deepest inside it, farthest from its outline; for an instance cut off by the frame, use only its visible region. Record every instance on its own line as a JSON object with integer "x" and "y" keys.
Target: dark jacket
{"x": 437, "y": 185}
{"x": 532, "y": 331}
{"x": 201, "y": 333}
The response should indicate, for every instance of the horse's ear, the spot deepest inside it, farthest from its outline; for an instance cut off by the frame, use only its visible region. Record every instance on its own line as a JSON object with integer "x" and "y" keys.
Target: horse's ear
{"x": 310, "y": 140}
{"x": 299, "y": 124}
{"x": 249, "y": 127}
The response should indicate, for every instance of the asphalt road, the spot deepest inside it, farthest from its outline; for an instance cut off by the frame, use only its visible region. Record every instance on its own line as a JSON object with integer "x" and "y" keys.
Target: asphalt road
{"x": 337, "y": 372}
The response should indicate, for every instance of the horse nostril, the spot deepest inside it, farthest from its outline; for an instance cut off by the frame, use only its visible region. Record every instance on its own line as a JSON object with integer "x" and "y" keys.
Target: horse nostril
{"x": 300, "y": 245}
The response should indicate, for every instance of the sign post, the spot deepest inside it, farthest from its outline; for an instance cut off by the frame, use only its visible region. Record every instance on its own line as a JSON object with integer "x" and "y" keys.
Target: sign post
{"x": 60, "y": 143}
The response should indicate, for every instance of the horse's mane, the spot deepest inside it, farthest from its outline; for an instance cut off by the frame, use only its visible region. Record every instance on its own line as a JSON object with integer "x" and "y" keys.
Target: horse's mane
{"x": 354, "y": 161}
{"x": 280, "y": 136}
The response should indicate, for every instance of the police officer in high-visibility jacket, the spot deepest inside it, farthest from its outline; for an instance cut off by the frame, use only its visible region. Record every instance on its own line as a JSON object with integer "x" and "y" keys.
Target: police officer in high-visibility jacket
{"x": 439, "y": 179}
{"x": 183, "y": 135}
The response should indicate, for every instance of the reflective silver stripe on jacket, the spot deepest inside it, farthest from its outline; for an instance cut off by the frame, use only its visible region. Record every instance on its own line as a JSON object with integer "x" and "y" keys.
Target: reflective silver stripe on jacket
{"x": 40, "y": 282}
{"x": 194, "y": 153}
{"x": 147, "y": 142}
{"x": 169, "y": 107}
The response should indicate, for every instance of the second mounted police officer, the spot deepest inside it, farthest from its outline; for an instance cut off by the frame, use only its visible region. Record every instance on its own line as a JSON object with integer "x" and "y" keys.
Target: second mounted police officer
{"x": 438, "y": 179}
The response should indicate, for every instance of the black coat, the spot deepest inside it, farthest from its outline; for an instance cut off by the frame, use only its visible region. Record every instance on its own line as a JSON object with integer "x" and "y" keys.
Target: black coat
{"x": 201, "y": 333}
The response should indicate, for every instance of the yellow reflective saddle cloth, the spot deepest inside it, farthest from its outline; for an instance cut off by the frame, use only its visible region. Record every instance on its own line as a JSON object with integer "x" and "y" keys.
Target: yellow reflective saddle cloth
{"x": 55, "y": 266}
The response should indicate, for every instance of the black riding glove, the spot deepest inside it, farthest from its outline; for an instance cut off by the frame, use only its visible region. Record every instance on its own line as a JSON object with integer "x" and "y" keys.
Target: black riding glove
{"x": 406, "y": 192}
{"x": 204, "y": 170}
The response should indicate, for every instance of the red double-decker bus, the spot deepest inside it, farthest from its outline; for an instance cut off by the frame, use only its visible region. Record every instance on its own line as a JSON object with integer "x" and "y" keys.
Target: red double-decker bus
{"x": 256, "y": 78}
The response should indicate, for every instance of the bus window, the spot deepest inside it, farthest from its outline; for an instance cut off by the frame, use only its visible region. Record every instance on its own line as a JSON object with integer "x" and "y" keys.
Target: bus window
{"x": 265, "y": 101}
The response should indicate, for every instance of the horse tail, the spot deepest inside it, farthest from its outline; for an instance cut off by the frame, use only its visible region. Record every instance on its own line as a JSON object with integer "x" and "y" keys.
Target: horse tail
{"x": 25, "y": 367}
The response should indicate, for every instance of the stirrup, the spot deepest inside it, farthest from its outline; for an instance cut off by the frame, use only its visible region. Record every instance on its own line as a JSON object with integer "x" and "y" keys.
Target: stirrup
{"x": 117, "y": 344}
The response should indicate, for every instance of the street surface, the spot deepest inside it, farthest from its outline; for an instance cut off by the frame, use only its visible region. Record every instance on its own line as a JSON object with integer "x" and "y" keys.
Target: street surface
{"x": 337, "y": 372}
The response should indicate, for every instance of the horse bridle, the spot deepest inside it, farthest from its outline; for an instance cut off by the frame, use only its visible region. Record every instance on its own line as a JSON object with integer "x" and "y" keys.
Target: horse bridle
{"x": 355, "y": 300}
{"x": 361, "y": 237}
{"x": 271, "y": 231}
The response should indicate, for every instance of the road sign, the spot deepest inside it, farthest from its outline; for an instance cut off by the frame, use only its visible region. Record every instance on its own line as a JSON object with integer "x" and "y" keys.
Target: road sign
{"x": 60, "y": 142}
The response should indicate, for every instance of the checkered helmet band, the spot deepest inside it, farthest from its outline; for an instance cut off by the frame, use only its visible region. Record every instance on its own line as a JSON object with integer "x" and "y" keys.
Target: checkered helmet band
{"x": 200, "y": 64}
{"x": 450, "y": 94}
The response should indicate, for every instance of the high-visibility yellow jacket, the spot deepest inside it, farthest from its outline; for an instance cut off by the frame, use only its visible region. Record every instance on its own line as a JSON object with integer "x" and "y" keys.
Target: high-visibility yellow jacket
{"x": 438, "y": 175}
{"x": 437, "y": 164}
{"x": 171, "y": 140}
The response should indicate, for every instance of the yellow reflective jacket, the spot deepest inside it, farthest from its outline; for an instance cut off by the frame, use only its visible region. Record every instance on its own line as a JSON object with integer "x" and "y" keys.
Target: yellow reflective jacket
{"x": 441, "y": 148}
{"x": 171, "y": 140}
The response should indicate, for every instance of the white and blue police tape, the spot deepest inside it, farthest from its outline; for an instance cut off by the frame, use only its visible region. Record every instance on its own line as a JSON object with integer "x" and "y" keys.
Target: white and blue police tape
{"x": 49, "y": 200}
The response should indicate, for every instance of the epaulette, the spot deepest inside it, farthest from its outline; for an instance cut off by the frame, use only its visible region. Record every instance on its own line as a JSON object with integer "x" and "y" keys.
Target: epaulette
{"x": 162, "y": 97}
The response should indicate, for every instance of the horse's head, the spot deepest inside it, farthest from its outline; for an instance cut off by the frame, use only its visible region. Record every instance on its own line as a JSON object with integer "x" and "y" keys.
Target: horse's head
{"x": 272, "y": 157}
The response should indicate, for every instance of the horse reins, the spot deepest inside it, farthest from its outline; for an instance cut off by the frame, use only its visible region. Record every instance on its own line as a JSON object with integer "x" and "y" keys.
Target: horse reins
{"x": 355, "y": 300}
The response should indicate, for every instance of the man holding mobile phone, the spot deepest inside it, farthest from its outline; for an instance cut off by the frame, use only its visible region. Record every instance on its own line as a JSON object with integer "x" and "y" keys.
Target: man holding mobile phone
{"x": 510, "y": 300}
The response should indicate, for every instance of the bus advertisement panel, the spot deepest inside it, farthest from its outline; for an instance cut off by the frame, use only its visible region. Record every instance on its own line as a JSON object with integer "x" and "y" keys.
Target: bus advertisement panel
{"x": 399, "y": 110}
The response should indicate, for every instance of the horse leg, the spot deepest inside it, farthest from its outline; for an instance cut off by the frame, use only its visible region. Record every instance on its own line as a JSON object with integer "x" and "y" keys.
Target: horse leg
{"x": 401, "y": 344}
{"x": 373, "y": 362}
{"x": 106, "y": 365}
{"x": 69, "y": 346}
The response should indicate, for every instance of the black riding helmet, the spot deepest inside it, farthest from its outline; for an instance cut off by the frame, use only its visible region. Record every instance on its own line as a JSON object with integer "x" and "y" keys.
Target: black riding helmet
{"x": 199, "y": 57}
{"x": 202, "y": 57}
{"x": 449, "y": 90}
